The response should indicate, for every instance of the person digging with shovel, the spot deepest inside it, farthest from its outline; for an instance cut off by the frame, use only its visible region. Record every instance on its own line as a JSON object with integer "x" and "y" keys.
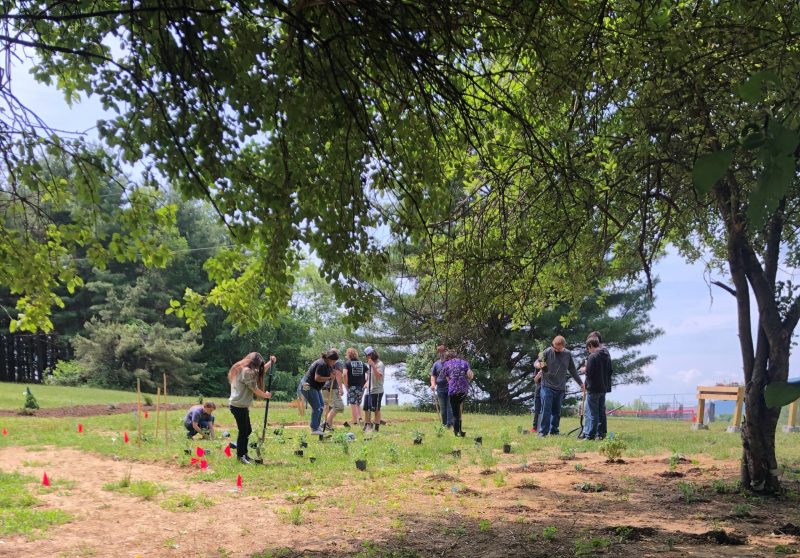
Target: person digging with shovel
{"x": 247, "y": 381}
{"x": 598, "y": 367}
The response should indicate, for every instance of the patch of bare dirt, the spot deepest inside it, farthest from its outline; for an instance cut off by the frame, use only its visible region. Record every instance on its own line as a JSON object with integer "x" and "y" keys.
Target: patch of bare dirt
{"x": 92, "y": 410}
{"x": 637, "y": 514}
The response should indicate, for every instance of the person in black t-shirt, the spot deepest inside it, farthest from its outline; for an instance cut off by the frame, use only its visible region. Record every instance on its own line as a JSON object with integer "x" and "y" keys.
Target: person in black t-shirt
{"x": 355, "y": 376}
{"x": 318, "y": 373}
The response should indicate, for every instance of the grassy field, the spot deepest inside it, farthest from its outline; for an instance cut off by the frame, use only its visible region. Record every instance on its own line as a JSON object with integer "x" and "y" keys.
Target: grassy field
{"x": 390, "y": 453}
{"x": 12, "y": 396}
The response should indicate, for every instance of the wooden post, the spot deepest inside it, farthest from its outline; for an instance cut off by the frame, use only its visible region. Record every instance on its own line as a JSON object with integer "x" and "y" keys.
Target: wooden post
{"x": 158, "y": 410}
{"x": 701, "y": 414}
{"x": 791, "y": 424}
{"x": 737, "y": 413}
{"x": 138, "y": 411}
{"x": 166, "y": 408}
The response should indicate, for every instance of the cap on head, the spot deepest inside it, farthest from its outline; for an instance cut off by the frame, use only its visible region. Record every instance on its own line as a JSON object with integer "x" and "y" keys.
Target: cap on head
{"x": 368, "y": 351}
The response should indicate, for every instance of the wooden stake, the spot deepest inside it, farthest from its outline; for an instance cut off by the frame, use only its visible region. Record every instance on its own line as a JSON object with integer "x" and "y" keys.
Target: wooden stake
{"x": 158, "y": 409}
{"x": 138, "y": 411}
{"x": 166, "y": 408}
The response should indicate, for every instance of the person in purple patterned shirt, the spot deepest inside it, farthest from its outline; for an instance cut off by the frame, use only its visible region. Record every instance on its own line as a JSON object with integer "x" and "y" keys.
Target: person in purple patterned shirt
{"x": 458, "y": 374}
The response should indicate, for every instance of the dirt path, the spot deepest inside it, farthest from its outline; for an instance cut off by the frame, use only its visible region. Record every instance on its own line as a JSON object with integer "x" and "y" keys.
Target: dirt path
{"x": 580, "y": 507}
{"x": 92, "y": 410}
{"x": 107, "y": 523}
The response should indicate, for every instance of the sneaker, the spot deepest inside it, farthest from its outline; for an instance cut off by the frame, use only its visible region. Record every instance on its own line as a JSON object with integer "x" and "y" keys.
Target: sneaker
{"x": 462, "y": 433}
{"x": 245, "y": 460}
{"x": 317, "y": 432}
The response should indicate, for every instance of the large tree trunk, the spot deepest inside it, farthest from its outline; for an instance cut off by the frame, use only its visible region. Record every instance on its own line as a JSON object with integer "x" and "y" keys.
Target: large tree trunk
{"x": 759, "y": 464}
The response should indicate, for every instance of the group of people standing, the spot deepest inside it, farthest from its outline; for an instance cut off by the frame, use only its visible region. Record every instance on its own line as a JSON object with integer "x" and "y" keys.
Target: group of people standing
{"x": 553, "y": 366}
{"x": 450, "y": 377}
{"x": 327, "y": 380}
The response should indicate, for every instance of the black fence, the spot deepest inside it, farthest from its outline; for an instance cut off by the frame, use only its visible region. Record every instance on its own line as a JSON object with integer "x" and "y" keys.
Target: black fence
{"x": 25, "y": 358}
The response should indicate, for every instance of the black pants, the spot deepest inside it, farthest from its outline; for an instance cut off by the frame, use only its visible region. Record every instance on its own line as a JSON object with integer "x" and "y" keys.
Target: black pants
{"x": 456, "y": 399}
{"x": 242, "y": 416}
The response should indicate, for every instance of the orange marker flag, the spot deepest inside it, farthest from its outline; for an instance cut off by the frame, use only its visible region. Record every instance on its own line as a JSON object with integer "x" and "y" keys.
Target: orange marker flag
{"x": 80, "y": 428}
{"x": 228, "y": 450}
{"x": 193, "y": 461}
{"x": 45, "y": 480}
{"x": 145, "y": 414}
{"x": 200, "y": 452}
{"x": 125, "y": 437}
{"x": 5, "y": 432}
{"x": 238, "y": 481}
{"x": 203, "y": 464}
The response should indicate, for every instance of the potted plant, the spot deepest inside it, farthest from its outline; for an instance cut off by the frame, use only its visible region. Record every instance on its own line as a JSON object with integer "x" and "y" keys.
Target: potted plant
{"x": 361, "y": 462}
{"x": 298, "y": 453}
{"x": 456, "y": 453}
{"x": 479, "y": 440}
{"x": 303, "y": 443}
{"x": 505, "y": 437}
{"x": 417, "y": 437}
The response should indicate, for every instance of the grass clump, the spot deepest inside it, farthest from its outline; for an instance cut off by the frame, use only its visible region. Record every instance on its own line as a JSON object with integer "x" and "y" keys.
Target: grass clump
{"x": 146, "y": 490}
{"x": 186, "y": 502}
{"x": 18, "y": 513}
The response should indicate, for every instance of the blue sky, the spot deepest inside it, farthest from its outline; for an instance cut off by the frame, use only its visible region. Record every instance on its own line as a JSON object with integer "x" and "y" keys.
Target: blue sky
{"x": 700, "y": 343}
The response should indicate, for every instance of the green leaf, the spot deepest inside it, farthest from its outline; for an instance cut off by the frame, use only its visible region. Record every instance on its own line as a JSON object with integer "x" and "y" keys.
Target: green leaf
{"x": 709, "y": 168}
{"x": 778, "y": 394}
{"x": 751, "y": 90}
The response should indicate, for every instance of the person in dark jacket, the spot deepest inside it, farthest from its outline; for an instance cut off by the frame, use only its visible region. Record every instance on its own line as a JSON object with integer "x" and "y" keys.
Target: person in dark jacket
{"x": 598, "y": 371}
{"x": 554, "y": 365}
{"x": 602, "y": 428}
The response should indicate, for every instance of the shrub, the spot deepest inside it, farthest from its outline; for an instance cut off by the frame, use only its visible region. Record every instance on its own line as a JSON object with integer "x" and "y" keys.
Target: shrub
{"x": 30, "y": 400}
{"x": 612, "y": 448}
{"x": 65, "y": 373}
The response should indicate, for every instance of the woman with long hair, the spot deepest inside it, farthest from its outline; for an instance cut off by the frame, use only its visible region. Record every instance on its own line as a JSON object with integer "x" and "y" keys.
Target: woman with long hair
{"x": 247, "y": 381}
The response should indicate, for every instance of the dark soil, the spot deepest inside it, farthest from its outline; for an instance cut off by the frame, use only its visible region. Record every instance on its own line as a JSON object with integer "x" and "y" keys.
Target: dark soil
{"x": 91, "y": 410}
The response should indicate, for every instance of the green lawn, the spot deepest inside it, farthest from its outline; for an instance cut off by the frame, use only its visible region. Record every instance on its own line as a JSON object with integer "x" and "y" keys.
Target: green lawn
{"x": 12, "y": 396}
{"x": 391, "y": 454}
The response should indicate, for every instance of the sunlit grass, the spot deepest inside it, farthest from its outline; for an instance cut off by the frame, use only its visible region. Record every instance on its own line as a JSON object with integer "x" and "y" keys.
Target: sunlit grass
{"x": 391, "y": 454}
{"x": 12, "y": 396}
{"x": 19, "y": 511}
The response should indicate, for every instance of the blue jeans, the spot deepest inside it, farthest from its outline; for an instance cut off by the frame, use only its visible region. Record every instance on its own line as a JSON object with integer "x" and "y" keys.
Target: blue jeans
{"x": 592, "y": 415}
{"x": 552, "y": 399}
{"x": 602, "y": 427}
{"x": 314, "y": 398}
{"x": 204, "y": 424}
{"x": 444, "y": 406}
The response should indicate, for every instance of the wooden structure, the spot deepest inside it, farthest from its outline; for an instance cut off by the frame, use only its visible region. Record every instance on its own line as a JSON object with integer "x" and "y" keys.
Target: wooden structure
{"x": 791, "y": 424}
{"x": 716, "y": 393}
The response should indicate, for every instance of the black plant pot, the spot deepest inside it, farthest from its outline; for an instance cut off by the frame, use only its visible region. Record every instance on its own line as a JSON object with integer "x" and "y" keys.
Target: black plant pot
{"x": 298, "y": 453}
{"x": 303, "y": 444}
{"x": 479, "y": 441}
{"x": 456, "y": 454}
{"x": 312, "y": 459}
{"x": 417, "y": 441}
{"x": 506, "y": 448}
{"x": 361, "y": 464}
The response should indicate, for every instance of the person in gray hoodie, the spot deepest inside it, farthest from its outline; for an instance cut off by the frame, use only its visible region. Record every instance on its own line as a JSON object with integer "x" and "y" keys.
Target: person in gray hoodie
{"x": 554, "y": 364}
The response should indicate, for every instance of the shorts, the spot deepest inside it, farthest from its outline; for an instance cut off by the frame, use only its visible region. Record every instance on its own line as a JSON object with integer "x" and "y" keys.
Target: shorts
{"x": 338, "y": 405}
{"x": 355, "y": 394}
{"x": 372, "y": 402}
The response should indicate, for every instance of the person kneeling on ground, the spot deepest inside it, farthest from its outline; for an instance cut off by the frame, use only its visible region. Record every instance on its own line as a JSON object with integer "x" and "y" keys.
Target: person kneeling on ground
{"x": 200, "y": 419}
